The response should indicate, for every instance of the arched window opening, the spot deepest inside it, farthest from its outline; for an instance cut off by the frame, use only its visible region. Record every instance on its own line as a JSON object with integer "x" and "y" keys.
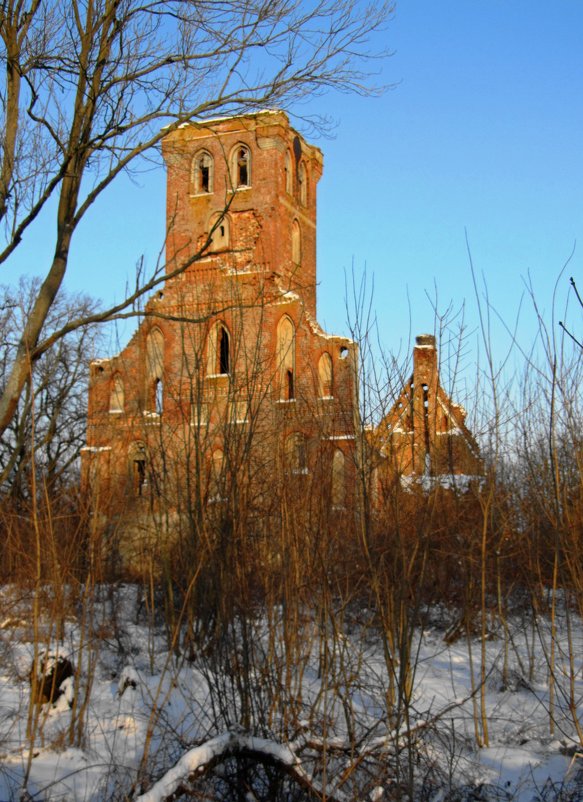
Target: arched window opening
{"x": 286, "y": 357}
{"x": 220, "y": 227}
{"x": 338, "y": 479}
{"x": 159, "y": 396}
{"x": 154, "y": 367}
{"x": 155, "y": 354}
{"x": 138, "y": 466}
{"x": 219, "y": 351}
{"x": 224, "y": 366}
{"x": 303, "y": 184}
{"x": 296, "y": 245}
{"x": 242, "y": 167}
{"x": 295, "y": 453}
{"x": 139, "y": 476}
{"x": 289, "y": 184}
{"x": 325, "y": 387}
{"x": 117, "y": 395}
{"x": 203, "y": 173}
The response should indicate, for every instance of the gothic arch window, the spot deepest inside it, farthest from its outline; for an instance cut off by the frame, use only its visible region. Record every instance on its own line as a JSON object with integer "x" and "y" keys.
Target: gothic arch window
{"x": 289, "y": 177}
{"x": 202, "y": 173}
{"x": 295, "y": 454}
{"x": 155, "y": 353}
{"x": 219, "y": 351}
{"x": 117, "y": 395}
{"x": 286, "y": 357}
{"x": 296, "y": 243}
{"x": 303, "y": 184}
{"x": 325, "y": 382}
{"x": 338, "y": 479}
{"x": 220, "y": 226}
{"x": 241, "y": 167}
{"x": 154, "y": 369}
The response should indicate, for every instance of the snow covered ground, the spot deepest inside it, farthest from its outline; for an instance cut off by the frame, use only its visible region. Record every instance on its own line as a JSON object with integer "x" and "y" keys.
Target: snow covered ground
{"x": 134, "y": 707}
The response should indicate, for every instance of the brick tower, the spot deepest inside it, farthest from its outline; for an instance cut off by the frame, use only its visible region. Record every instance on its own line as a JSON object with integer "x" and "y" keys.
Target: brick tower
{"x": 229, "y": 366}
{"x": 254, "y": 179}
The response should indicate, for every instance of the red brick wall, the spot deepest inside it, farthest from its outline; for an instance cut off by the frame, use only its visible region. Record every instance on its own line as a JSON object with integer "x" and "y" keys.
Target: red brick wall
{"x": 248, "y": 286}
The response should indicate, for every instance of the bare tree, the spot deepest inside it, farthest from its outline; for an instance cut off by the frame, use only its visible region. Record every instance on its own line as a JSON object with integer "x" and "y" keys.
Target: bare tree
{"x": 48, "y": 427}
{"x": 89, "y": 85}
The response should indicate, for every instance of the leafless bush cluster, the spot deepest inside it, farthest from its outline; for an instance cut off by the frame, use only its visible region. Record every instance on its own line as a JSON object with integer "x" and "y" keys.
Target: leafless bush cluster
{"x": 276, "y": 596}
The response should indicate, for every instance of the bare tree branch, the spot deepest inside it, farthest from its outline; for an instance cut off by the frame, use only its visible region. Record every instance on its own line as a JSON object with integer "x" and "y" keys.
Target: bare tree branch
{"x": 90, "y": 88}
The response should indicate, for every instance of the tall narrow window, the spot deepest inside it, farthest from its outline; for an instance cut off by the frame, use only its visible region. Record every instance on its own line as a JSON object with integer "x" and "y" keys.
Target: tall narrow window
{"x": 138, "y": 467}
{"x": 159, "y": 392}
{"x": 303, "y": 184}
{"x": 218, "y": 351}
{"x": 325, "y": 376}
{"x": 202, "y": 173}
{"x": 290, "y": 384}
{"x": 296, "y": 245}
{"x": 155, "y": 353}
{"x": 426, "y": 429}
{"x": 139, "y": 476}
{"x": 286, "y": 357}
{"x": 338, "y": 479}
{"x": 224, "y": 355}
{"x": 289, "y": 179}
{"x": 154, "y": 367}
{"x": 117, "y": 396}
{"x": 241, "y": 167}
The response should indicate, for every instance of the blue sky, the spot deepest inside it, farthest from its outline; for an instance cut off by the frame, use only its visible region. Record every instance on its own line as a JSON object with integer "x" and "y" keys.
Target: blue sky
{"x": 482, "y": 133}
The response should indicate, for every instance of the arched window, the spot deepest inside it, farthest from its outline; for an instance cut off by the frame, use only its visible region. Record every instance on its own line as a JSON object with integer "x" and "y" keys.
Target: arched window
{"x": 117, "y": 395}
{"x": 286, "y": 357}
{"x": 138, "y": 465}
{"x": 241, "y": 167}
{"x": 218, "y": 351}
{"x": 159, "y": 396}
{"x": 155, "y": 354}
{"x": 155, "y": 369}
{"x": 303, "y": 184}
{"x": 202, "y": 173}
{"x": 224, "y": 351}
{"x": 289, "y": 177}
{"x": 296, "y": 245}
{"x": 295, "y": 453}
{"x": 219, "y": 225}
{"x": 325, "y": 376}
{"x": 338, "y": 479}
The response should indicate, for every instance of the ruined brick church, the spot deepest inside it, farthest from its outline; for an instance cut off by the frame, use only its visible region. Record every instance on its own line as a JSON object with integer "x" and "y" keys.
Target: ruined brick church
{"x": 229, "y": 379}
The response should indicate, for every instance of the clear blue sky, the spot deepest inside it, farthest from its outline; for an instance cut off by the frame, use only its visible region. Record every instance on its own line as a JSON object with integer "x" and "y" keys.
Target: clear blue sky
{"x": 482, "y": 132}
